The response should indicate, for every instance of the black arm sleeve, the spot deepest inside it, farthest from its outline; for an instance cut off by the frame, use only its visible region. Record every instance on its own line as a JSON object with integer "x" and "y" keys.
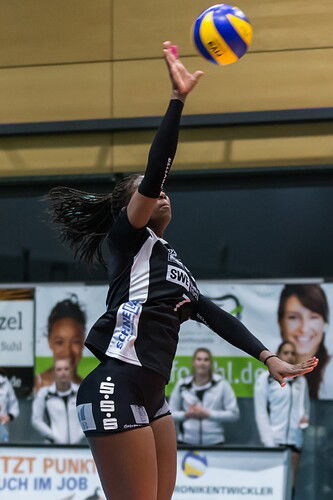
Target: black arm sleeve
{"x": 162, "y": 151}
{"x": 228, "y": 327}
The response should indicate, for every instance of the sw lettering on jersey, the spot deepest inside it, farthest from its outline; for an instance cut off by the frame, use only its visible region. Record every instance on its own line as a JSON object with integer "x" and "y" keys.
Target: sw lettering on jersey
{"x": 179, "y": 276}
{"x": 173, "y": 257}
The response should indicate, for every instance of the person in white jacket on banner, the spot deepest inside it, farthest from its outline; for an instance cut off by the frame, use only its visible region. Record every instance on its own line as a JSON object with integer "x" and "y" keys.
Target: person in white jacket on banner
{"x": 202, "y": 402}
{"x": 282, "y": 414}
{"x": 54, "y": 408}
{"x": 9, "y": 407}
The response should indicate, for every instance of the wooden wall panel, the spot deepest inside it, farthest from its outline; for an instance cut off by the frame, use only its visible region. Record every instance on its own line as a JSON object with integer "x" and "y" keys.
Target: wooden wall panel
{"x": 34, "y": 32}
{"x": 56, "y": 154}
{"x": 278, "y": 25}
{"x": 290, "y": 24}
{"x": 196, "y": 147}
{"x": 53, "y": 93}
{"x": 263, "y": 81}
{"x": 232, "y": 147}
{"x": 203, "y": 148}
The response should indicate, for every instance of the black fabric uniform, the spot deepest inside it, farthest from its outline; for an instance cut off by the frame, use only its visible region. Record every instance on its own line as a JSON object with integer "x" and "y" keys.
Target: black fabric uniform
{"x": 151, "y": 293}
{"x": 118, "y": 396}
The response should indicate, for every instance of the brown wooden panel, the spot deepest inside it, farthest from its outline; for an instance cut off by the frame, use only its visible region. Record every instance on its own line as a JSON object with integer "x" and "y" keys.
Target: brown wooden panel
{"x": 262, "y": 81}
{"x": 56, "y": 154}
{"x": 204, "y": 148}
{"x": 197, "y": 149}
{"x": 282, "y": 24}
{"x": 232, "y": 147}
{"x": 290, "y": 24}
{"x": 34, "y": 32}
{"x": 282, "y": 145}
{"x": 52, "y": 93}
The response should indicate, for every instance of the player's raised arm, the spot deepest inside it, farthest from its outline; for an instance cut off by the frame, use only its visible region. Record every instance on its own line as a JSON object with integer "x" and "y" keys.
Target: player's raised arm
{"x": 163, "y": 148}
{"x": 233, "y": 331}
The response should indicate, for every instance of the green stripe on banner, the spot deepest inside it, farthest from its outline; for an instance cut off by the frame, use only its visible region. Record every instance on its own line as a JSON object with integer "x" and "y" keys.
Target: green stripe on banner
{"x": 240, "y": 372}
{"x": 86, "y": 365}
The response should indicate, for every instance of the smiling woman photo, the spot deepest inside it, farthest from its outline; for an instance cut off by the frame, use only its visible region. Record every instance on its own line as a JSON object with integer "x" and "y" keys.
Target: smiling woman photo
{"x": 303, "y": 315}
{"x": 66, "y": 334}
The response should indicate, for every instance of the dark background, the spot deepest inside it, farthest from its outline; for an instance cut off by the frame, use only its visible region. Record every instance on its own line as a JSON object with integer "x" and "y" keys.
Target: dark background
{"x": 234, "y": 226}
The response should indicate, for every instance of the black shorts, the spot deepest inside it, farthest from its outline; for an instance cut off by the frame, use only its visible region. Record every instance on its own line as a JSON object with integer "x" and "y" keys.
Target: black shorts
{"x": 118, "y": 396}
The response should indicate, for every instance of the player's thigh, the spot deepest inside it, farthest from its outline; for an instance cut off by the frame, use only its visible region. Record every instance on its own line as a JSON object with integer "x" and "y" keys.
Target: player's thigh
{"x": 126, "y": 464}
{"x": 166, "y": 452}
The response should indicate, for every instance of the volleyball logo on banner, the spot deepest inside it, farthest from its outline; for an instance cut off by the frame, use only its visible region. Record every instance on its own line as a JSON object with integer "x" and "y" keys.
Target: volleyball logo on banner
{"x": 222, "y": 34}
{"x": 194, "y": 464}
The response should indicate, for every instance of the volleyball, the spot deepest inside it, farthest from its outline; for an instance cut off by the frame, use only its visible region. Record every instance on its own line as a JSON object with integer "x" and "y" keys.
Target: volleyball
{"x": 222, "y": 34}
{"x": 194, "y": 464}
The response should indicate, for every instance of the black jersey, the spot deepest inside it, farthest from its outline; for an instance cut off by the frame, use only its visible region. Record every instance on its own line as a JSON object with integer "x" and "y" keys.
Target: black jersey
{"x": 151, "y": 293}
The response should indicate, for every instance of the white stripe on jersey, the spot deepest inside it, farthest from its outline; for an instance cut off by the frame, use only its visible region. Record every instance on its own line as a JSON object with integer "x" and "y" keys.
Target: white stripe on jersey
{"x": 125, "y": 333}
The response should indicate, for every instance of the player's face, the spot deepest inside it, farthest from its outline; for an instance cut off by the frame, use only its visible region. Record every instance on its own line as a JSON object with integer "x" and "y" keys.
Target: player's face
{"x": 303, "y": 327}
{"x": 62, "y": 370}
{"x": 202, "y": 364}
{"x": 161, "y": 215}
{"x": 288, "y": 353}
{"x": 66, "y": 340}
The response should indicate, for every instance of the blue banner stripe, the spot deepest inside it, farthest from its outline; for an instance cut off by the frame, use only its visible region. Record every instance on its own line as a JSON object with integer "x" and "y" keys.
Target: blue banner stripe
{"x": 197, "y": 40}
{"x": 230, "y": 35}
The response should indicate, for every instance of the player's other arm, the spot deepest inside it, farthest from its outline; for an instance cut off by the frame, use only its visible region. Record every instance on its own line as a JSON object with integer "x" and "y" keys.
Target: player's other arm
{"x": 233, "y": 331}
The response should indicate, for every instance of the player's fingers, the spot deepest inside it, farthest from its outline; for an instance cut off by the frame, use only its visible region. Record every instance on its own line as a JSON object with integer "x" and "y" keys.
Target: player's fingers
{"x": 174, "y": 51}
{"x": 198, "y": 74}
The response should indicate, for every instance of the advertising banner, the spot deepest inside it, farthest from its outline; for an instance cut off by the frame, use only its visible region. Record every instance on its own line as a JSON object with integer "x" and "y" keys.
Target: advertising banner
{"x": 232, "y": 474}
{"x": 70, "y": 474}
{"x": 16, "y": 338}
{"x": 57, "y": 473}
{"x": 272, "y": 312}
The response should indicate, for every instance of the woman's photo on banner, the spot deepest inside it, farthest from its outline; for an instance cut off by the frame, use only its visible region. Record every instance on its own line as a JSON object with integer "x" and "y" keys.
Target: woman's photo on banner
{"x": 64, "y": 314}
{"x": 303, "y": 317}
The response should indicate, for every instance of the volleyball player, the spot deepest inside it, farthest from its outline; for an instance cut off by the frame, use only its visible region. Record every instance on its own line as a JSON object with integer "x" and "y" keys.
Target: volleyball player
{"x": 121, "y": 404}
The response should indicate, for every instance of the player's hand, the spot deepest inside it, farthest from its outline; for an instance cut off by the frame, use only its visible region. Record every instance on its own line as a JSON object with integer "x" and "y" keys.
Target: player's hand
{"x": 280, "y": 370}
{"x": 182, "y": 80}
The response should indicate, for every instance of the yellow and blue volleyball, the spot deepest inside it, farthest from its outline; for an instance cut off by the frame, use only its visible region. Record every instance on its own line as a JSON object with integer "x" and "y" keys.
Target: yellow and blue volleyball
{"x": 222, "y": 34}
{"x": 194, "y": 464}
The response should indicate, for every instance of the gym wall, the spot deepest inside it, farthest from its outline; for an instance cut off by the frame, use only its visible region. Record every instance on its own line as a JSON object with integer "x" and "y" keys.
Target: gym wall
{"x": 87, "y": 60}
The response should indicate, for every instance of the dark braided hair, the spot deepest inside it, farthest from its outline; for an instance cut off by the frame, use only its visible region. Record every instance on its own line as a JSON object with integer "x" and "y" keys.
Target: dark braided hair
{"x": 84, "y": 219}
{"x": 68, "y": 308}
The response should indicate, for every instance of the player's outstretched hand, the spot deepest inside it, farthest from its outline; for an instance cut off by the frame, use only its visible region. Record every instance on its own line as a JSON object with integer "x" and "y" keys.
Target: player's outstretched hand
{"x": 182, "y": 80}
{"x": 281, "y": 370}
